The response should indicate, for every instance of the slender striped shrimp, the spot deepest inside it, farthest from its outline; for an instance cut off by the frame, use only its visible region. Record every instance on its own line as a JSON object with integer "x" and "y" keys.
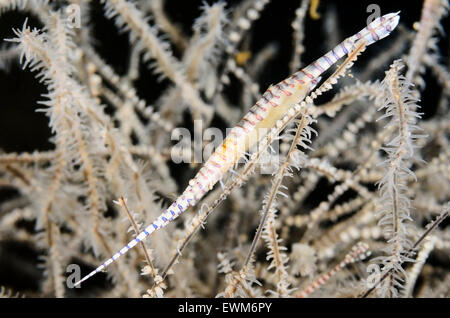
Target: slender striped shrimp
{"x": 271, "y": 107}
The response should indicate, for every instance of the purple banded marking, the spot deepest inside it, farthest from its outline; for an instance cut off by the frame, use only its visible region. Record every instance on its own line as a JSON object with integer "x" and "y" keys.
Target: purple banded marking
{"x": 298, "y": 79}
{"x": 173, "y": 213}
{"x": 215, "y": 164}
{"x": 164, "y": 219}
{"x": 155, "y": 226}
{"x": 374, "y": 34}
{"x": 288, "y": 84}
{"x": 386, "y": 26}
{"x": 272, "y": 94}
{"x": 326, "y": 58}
{"x": 212, "y": 172}
{"x": 307, "y": 74}
{"x": 249, "y": 121}
{"x": 317, "y": 65}
{"x": 263, "y": 108}
{"x": 287, "y": 93}
{"x": 334, "y": 54}
{"x": 314, "y": 82}
{"x": 180, "y": 207}
{"x": 279, "y": 86}
{"x": 200, "y": 185}
{"x": 253, "y": 111}
{"x": 241, "y": 126}
{"x": 343, "y": 47}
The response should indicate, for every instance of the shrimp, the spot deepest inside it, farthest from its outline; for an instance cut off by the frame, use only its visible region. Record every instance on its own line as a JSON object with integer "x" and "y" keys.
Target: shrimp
{"x": 271, "y": 107}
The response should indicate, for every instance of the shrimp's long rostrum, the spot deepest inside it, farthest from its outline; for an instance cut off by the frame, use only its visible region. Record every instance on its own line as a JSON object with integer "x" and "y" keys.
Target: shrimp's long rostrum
{"x": 271, "y": 107}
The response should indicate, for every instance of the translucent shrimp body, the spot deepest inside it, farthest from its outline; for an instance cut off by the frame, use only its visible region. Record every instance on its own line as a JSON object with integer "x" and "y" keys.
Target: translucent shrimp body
{"x": 272, "y": 106}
